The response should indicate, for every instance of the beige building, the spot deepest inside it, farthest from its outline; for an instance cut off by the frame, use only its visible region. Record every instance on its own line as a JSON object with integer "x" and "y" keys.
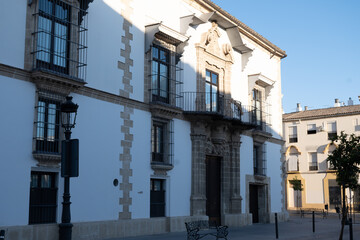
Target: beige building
{"x": 307, "y": 134}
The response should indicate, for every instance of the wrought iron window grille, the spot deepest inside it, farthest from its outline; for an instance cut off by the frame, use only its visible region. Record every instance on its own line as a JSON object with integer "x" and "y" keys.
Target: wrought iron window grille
{"x": 165, "y": 77}
{"x": 60, "y": 38}
{"x": 47, "y": 123}
{"x": 162, "y": 142}
{"x": 43, "y": 198}
{"x": 259, "y": 160}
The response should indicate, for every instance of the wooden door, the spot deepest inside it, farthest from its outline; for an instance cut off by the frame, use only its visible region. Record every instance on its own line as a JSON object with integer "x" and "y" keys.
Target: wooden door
{"x": 254, "y": 202}
{"x": 213, "y": 179}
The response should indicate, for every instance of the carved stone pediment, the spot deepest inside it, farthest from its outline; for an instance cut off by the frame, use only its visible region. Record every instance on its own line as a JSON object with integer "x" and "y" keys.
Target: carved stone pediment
{"x": 211, "y": 40}
{"x": 216, "y": 149}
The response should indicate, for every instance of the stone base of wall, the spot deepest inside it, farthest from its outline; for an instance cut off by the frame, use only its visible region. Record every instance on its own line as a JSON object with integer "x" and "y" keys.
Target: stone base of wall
{"x": 32, "y": 232}
{"x": 237, "y": 220}
{"x": 281, "y": 216}
{"x": 102, "y": 229}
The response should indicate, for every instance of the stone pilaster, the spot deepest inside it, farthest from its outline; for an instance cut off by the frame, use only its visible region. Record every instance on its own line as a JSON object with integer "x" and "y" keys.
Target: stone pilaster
{"x": 198, "y": 183}
{"x": 127, "y": 123}
{"x": 235, "y": 200}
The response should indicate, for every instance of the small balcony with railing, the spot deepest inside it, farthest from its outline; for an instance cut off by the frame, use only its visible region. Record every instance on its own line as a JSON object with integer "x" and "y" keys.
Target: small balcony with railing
{"x": 261, "y": 116}
{"x": 313, "y": 166}
{"x": 219, "y": 107}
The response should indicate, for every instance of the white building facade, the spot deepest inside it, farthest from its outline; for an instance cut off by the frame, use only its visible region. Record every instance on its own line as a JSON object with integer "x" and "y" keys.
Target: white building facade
{"x": 308, "y": 136}
{"x": 179, "y": 117}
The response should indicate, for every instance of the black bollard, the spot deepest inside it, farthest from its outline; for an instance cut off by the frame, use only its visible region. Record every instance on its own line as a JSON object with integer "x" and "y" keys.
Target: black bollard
{"x": 2, "y": 234}
{"x": 276, "y": 227}
{"x": 350, "y": 229}
{"x": 313, "y": 217}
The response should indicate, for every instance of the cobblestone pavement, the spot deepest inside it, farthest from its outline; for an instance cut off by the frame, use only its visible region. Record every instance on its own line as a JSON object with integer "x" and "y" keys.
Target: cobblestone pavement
{"x": 295, "y": 229}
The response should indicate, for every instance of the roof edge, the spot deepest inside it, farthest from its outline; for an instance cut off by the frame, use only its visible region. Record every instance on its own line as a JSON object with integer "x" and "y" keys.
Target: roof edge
{"x": 246, "y": 30}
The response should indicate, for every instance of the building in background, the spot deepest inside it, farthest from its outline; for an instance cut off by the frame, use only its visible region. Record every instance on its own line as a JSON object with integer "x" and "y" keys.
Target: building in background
{"x": 179, "y": 117}
{"x": 308, "y": 136}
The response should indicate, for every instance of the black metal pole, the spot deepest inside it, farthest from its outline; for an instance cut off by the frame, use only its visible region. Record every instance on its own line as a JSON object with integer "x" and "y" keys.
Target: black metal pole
{"x": 350, "y": 229}
{"x": 313, "y": 221}
{"x": 65, "y": 227}
{"x": 276, "y": 227}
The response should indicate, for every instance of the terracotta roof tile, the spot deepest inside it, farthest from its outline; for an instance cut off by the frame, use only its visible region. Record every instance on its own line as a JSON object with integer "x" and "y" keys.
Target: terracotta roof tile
{"x": 322, "y": 113}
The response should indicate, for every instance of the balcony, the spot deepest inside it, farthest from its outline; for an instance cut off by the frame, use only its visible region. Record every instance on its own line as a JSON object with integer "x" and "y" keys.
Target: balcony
{"x": 218, "y": 107}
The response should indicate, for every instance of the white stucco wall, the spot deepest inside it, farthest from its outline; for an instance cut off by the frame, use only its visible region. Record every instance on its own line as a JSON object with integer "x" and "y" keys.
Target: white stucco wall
{"x": 141, "y": 154}
{"x": 180, "y": 185}
{"x": 12, "y": 28}
{"x": 246, "y": 166}
{"x": 273, "y": 157}
{"x": 104, "y": 44}
{"x": 314, "y": 187}
{"x": 94, "y": 197}
{"x": 16, "y": 127}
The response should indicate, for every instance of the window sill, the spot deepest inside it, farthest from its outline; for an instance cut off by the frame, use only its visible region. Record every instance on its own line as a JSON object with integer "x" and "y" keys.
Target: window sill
{"x": 161, "y": 166}
{"x": 47, "y": 159}
{"x": 48, "y": 79}
{"x": 164, "y": 110}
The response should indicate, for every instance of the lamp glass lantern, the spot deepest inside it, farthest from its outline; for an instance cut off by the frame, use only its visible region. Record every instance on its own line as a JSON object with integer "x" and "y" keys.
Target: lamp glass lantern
{"x": 68, "y": 113}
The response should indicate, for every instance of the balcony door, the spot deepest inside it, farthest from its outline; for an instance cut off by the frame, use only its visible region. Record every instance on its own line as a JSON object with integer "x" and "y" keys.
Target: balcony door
{"x": 211, "y": 91}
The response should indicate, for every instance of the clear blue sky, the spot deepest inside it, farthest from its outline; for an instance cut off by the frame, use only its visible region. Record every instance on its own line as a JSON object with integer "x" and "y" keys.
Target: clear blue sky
{"x": 321, "y": 39}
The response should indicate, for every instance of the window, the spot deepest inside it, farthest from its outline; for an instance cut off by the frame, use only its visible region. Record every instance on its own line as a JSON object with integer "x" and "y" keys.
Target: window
{"x": 157, "y": 198}
{"x": 158, "y": 142}
{"x": 160, "y": 74}
{"x": 47, "y": 125}
{"x": 313, "y": 162}
{"x": 257, "y": 105}
{"x": 60, "y": 35}
{"x": 43, "y": 198}
{"x": 162, "y": 141}
{"x": 311, "y": 129}
{"x": 293, "y": 134}
{"x": 259, "y": 160}
{"x": 52, "y": 45}
{"x": 293, "y": 162}
{"x": 357, "y": 125}
{"x": 331, "y": 129}
{"x": 211, "y": 91}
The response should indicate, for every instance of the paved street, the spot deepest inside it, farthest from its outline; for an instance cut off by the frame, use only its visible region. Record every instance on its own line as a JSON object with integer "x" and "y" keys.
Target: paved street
{"x": 295, "y": 228}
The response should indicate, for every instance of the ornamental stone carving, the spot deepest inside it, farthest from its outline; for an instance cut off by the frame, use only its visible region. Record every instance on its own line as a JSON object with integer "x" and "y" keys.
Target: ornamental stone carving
{"x": 211, "y": 40}
{"x": 215, "y": 149}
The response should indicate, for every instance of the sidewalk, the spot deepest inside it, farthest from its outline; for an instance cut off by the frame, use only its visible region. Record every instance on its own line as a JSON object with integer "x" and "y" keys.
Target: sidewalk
{"x": 296, "y": 228}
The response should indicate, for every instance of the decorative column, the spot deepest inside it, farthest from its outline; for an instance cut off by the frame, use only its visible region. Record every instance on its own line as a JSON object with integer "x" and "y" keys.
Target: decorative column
{"x": 235, "y": 201}
{"x": 198, "y": 170}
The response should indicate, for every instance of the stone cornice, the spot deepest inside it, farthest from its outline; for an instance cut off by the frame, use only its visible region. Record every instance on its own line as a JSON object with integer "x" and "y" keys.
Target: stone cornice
{"x": 13, "y": 72}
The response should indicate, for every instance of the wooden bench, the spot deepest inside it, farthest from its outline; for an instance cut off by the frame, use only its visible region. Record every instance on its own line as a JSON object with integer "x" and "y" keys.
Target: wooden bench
{"x": 317, "y": 211}
{"x": 201, "y": 228}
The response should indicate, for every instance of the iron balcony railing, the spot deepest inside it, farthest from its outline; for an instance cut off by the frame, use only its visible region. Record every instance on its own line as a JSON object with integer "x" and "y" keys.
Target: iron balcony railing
{"x": 218, "y": 104}
{"x": 313, "y": 166}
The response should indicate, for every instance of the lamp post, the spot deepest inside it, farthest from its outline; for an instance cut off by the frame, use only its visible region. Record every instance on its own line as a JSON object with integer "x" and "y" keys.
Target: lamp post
{"x": 68, "y": 117}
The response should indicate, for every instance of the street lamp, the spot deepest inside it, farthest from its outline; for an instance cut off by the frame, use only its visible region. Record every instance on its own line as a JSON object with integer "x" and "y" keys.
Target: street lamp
{"x": 68, "y": 118}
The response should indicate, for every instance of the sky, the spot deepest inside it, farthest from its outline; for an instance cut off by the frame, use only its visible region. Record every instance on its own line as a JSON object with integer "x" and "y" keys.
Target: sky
{"x": 322, "y": 42}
